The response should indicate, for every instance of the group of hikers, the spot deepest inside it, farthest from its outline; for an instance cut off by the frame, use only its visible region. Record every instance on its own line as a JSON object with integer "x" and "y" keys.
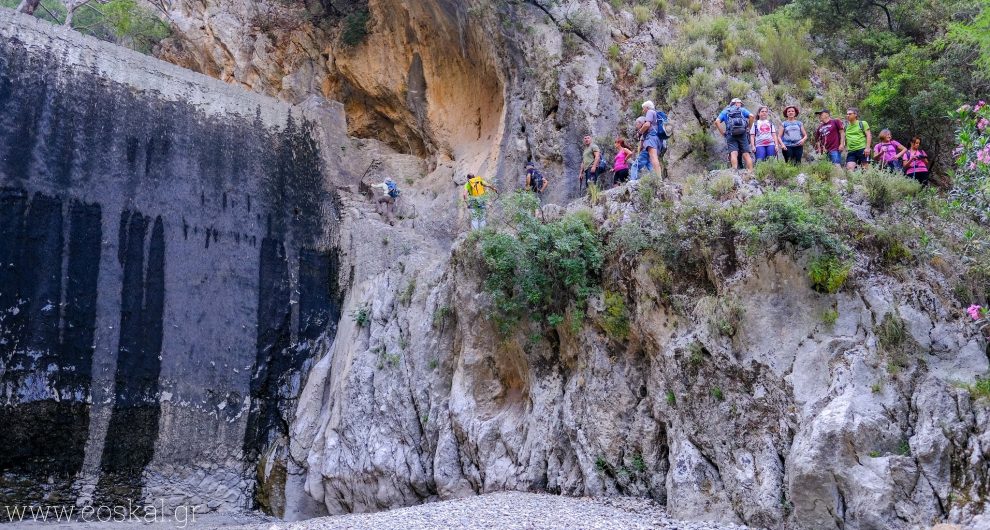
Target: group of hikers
{"x": 747, "y": 136}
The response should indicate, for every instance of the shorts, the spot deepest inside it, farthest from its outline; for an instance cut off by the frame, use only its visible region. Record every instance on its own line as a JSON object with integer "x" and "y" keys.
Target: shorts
{"x": 738, "y": 143}
{"x": 857, "y": 157}
{"x": 835, "y": 157}
{"x": 590, "y": 176}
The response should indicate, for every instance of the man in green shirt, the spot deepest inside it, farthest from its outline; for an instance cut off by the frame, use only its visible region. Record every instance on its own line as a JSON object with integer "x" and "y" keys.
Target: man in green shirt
{"x": 590, "y": 159}
{"x": 859, "y": 141}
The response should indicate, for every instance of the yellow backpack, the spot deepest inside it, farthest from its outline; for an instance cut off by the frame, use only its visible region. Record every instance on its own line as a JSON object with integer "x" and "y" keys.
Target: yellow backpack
{"x": 476, "y": 187}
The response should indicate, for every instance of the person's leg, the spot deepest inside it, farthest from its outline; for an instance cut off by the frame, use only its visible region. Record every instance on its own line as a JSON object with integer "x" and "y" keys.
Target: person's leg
{"x": 634, "y": 170}
{"x": 644, "y": 161}
{"x": 771, "y": 152}
{"x": 835, "y": 157}
{"x": 797, "y": 153}
{"x": 734, "y": 160}
{"x": 655, "y": 160}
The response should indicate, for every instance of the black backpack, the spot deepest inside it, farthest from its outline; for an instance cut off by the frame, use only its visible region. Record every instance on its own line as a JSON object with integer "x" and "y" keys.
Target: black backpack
{"x": 735, "y": 123}
{"x": 535, "y": 179}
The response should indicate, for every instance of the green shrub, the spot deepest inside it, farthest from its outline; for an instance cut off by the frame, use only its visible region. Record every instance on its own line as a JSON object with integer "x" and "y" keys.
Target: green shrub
{"x": 671, "y": 398}
{"x": 785, "y": 49}
{"x": 979, "y": 389}
{"x": 784, "y": 216}
{"x": 830, "y": 317}
{"x": 539, "y": 269}
{"x": 722, "y": 185}
{"x": 405, "y": 297}
{"x": 355, "y": 28}
{"x": 614, "y": 51}
{"x": 717, "y": 393}
{"x": 884, "y": 188}
{"x": 362, "y": 316}
{"x": 776, "y": 171}
{"x": 642, "y": 14}
{"x": 615, "y": 319}
{"x": 828, "y": 274}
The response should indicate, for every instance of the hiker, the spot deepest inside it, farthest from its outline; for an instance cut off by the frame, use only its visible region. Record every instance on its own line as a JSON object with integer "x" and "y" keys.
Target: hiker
{"x": 651, "y": 130}
{"x": 859, "y": 140}
{"x": 475, "y": 195}
{"x": 916, "y": 162}
{"x": 763, "y": 136}
{"x": 390, "y": 193}
{"x": 792, "y": 136}
{"x": 889, "y": 152}
{"x": 734, "y": 122}
{"x": 591, "y": 161}
{"x": 830, "y": 137}
{"x": 643, "y": 157}
{"x": 535, "y": 181}
{"x": 621, "y": 166}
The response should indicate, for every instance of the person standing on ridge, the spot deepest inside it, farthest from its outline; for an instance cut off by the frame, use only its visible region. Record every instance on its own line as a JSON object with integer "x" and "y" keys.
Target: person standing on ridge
{"x": 651, "y": 131}
{"x": 859, "y": 141}
{"x": 475, "y": 195}
{"x": 830, "y": 137}
{"x": 535, "y": 181}
{"x": 916, "y": 162}
{"x": 621, "y": 165}
{"x": 734, "y": 122}
{"x": 591, "y": 159}
{"x": 792, "y": 136}
{"x": 763, "y": 136}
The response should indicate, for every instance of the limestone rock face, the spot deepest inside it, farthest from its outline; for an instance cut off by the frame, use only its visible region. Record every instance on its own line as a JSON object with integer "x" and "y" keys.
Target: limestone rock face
{"x": 788, "y": 421}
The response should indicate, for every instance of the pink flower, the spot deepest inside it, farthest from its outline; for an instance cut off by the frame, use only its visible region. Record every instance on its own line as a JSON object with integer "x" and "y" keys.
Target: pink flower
{"x": 964, "y": 108}
{"x": 975, "y": 311}
{"x": 979, "y": 106}
{"x": 982, "y": 124}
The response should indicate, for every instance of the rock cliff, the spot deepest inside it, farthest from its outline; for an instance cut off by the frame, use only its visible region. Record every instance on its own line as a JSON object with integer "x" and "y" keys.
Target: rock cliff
{"x": 706, "y": 372}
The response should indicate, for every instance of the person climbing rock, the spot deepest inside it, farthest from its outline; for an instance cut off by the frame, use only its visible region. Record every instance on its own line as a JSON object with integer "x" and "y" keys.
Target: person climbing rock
{"x": 475, "y": 196}
{"x": 390, "y": 194}
{"x": 654, "y": 140}
{"x": 830, "y": 137}
{"x": 591, "y": 159}
{"x": 859, "y": 140}
{"x": 763, "y": 136}
{"x": 792, "y": 136}
{"x": 535, "y": 181}
{"x": 621, "y": 165}
{"x": 889, "y": 152}
{"x": 916, "y": 162}
{"x": 735, "y": 122}
{"x": 642, "y": 161}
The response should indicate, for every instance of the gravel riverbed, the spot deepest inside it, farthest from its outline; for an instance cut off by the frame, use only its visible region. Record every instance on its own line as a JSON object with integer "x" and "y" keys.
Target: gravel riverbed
{"x": 512, "y": 510}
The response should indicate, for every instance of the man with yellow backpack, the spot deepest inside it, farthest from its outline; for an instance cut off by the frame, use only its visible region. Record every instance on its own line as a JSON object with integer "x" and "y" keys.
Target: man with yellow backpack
{"x": 476, "y": 196}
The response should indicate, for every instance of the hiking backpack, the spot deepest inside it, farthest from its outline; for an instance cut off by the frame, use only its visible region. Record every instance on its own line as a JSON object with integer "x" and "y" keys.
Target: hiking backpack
{"x": 735, "y": 122}
{"x": 535, "y": 179}
{"x": 663, "y": 126}
{"x": 393, "y": 189}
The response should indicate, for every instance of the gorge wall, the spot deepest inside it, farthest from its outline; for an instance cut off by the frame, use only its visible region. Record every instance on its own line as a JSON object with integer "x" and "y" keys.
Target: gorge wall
{"x": 168, "y": 266}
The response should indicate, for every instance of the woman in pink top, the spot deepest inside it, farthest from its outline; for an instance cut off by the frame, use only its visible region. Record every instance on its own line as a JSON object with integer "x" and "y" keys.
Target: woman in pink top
{"x": 916, "y": 162}
{"x": 621, "y": 166}
{"x": 889, "y": 152}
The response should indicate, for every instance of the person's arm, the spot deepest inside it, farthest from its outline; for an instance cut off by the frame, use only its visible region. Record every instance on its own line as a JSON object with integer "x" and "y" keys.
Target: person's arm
{"x": 752, "y": 136}
{"x": 779, "y": 139}
{"x": 901, "y": 150}
{"x": 487, "y": 185}
{"x": 869, "y": 139}
{"x": 804, "y": 135}
{"x": 529, "y": 180}
{"x": 842, "y": 139}
{"x": 546, "y": 182}
{"x": 598, "y": 160}
{"x": 719, "y": 125}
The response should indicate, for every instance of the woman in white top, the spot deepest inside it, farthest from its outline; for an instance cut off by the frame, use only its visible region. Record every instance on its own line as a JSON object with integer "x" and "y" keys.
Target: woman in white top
{"x": 763, "y": 136}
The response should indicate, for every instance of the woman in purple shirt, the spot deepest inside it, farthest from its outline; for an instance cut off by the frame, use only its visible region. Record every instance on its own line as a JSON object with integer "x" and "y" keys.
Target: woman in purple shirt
{"x": 889, "y": 152}
{"x": 916, "y": 162}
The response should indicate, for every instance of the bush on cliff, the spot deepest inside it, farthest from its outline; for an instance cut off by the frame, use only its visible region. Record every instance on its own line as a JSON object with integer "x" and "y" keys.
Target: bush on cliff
{"x": 537, "y": 268}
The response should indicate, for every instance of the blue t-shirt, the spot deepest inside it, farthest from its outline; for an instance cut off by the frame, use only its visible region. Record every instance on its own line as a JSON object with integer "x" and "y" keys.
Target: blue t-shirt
{"x": 724, "y": 116}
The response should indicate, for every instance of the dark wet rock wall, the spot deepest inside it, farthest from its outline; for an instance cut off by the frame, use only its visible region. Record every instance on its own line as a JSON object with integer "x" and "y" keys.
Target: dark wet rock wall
{"x": 167, "y": 264}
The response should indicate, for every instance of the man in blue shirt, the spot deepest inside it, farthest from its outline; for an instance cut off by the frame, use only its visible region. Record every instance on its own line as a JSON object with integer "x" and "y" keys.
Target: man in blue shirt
{"x": 734, "y": 122}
